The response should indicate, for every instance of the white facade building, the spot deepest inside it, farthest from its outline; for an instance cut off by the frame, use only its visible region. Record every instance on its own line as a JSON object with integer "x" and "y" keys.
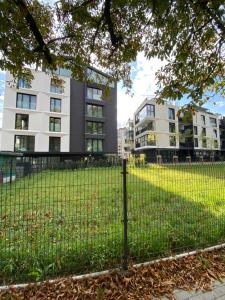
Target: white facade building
{"x": 206, "y": 130}
{"x": 163, "y": 129}
{"x": 37, "y": 117}
{"x": 156, "y": 126}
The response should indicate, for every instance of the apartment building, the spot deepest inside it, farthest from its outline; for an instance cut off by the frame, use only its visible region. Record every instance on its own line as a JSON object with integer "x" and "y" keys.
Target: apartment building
{"x": 200, "y": 133}
{"x": 121, "y": 135}
{"x": 59, "y": 114}
{"x": 155, "y": 128}
{"x": 126, "y": 139}
{"x": 161, "y": 130}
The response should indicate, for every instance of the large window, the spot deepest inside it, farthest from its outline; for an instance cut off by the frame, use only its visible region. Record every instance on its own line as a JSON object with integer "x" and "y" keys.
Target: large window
{"x": 22, "y": 121}
{"x": 94, "y": 111}
{"x": 95, "y": 94}
{"x": 171, "y": 113}
{"x": 215, "y": 133}
{"x": 203, "y": 131}
{"x": 146, "y": 140}
{"x": 26, "y": 101}
{"x": 195, "y": 130}
{"x": 94, "y": 127}
{"x": 215, "y": 143}
{"x": 55, "y": 105}
{"x": 147, "y": 111}
{"x": 94, "y": 145}
{"x": 55, "y": 124}
{"x": 213, "y": 122}
{"x": 203, "y": 119}
{"x": 93, "y": 76}
{"x": 172, "y": 127}
{"x": 54, "y": 144}
{"x": 56, "y": 86}
{"x": 24, "y": 143}
{"x": 172, "y": 139}
{"x": 204, "y": 143}
{"x": 196, "y": 142}
{"x": 23, "y": 84}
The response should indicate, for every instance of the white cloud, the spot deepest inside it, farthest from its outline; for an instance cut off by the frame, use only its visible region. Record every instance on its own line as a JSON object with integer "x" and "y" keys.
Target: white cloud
{"x": 2, "y": 72}
{"x": 144, "y": 84}
{"x": 220, "y": 103}
{"x": 1, "y": 97}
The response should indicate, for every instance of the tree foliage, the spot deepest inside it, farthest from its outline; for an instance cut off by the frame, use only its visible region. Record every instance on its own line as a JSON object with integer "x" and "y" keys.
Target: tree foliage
{"x": 188, "y": 35}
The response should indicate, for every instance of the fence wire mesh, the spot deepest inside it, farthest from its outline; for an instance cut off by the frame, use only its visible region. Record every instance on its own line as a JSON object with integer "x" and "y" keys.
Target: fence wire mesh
{"x": 66, "y": 217}
{"x": 61, "y": 218}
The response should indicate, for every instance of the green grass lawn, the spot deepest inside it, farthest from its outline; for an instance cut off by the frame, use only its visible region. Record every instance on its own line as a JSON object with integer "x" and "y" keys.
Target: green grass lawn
{"x": 59, "y": 222}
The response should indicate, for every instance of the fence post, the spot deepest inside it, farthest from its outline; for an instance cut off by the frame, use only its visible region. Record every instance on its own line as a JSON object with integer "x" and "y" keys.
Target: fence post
{"x": 125, "y": 220}
{"x": 11, "y": 171}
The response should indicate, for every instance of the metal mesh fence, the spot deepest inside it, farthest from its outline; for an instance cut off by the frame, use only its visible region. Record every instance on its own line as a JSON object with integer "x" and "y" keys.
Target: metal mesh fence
{"x": 175, "y": 208}
{"x": 62, "y": 217}
{"x": 67, "y": 217}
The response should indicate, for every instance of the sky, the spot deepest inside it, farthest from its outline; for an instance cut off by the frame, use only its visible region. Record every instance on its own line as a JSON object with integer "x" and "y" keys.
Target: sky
{"x": 144, "y": 85}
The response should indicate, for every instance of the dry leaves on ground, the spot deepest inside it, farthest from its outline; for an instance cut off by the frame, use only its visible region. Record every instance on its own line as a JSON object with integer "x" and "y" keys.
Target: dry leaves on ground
{"x": 159, "y": 279}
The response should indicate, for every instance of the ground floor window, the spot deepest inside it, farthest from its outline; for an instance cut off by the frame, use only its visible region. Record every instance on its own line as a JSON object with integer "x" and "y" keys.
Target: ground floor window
{"x": 196, "y": 142}
{"x": 54, "y": 144}
{"x": 172, "y": 141}
{"x": 24, "y": 143}
{"x": 94, "y": 145}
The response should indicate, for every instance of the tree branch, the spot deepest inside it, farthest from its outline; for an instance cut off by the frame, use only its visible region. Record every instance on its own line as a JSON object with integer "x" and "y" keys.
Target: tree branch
{"x": 115, "y": 40}
{"x": 42, "y": 47}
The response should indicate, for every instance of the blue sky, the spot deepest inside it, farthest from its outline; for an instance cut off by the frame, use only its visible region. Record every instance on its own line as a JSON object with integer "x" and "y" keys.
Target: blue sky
{"x": 144, "y": 85}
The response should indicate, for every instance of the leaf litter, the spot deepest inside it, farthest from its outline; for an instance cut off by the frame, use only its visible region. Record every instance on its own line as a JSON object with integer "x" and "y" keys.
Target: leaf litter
{"x": 194, "y": 272}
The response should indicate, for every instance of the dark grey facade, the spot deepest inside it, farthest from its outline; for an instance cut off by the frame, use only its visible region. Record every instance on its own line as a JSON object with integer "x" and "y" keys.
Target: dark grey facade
{"x": 99, "y": 141}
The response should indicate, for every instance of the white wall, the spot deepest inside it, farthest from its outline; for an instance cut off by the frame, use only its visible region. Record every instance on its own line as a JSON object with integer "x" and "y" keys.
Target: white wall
{"x": 39, "y": 118}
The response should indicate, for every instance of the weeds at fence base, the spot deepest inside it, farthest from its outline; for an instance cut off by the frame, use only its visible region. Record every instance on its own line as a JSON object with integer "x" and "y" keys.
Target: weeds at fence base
{"x": 195, "y": 272}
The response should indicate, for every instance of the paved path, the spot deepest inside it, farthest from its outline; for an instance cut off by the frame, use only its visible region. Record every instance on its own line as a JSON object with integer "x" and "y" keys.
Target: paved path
{"x": 218, "y": 293}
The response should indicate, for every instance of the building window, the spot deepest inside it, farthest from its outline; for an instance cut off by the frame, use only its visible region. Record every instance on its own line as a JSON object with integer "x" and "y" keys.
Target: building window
{"x": 23, "y": 84}
{"x": 203, "y": 119}
{"x": 195, "y": 130}
{"x": 146, "y": 140}
{"x": 172, "y": 141}
{"x": 172, "y": 127}
{"x": 55, "y": 124}
{"x": 94, "y": 145}
{"x": 24, "y": 143}
{"x": 54, "y": 144}
{"x": 55, "y": 105}
{"x": 203, "y": 131}
{"x": 213, "y": 122}
{"x": 171, "y": 113}
{"x": 94, "y": 127}
{"x": 215, "y": 133}
{"x": 93, "y": 76}
{"x": 215, "y": 142}
{"x": 196, "y": 142}
{"x": 26, "y": 101}
{"x": 142, "y": 128}
{"x": 147, "y": 111}
{"x": 204, "y": 143}
{"x": 95, "y": 94}
{"x": 94, "y": 111}
{"x": 22, "y": 121}
{"x": 56, "y": 86}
